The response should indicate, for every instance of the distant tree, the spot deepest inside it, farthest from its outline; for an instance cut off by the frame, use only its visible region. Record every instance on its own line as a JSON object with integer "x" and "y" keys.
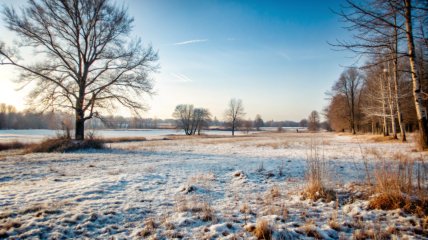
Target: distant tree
{"x": 349, "y": 85}
{"x": 191, "y": 119}
{"x": 303, "y": 123}
{"x": 337, "y": 114}
{"x": 258, "y": 122}
{"x": 247, "y": 125}
{"x": 202, "y": 117}
{"x": 85, "y": 61}
{"x": 234, "y": 114}
{"x": 313, "y": 121}
{"x": 184, "y": 115}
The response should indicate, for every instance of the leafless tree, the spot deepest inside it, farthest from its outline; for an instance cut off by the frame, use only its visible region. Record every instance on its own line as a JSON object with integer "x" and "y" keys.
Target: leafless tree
{"x": 86, "y": 60}
{"x": 234, "y": 113}
{"x": 421, "y": 110}
{"x": 184, "y": 115}
{"x": 202, "y": 117}
{"x": 258, "y": 122}
{"x": 191, "y": 119}
{"x": 349, "y": 85}
{"x": 382, "y": 29}
{"x": 314, "y": 121}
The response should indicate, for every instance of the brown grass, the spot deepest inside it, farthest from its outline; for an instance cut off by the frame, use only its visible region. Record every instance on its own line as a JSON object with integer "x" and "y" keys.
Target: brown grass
{"x": 263, "y": 230}
{"x": 122, "y": 139}
{"x": 383, "y": 139}
{"x": 399, "y": 183}
{"x": 64, "y": 145}
{"x": 310, "y": 230}
{"x": 195, "y": 205}
{"x": 13, "y": 145}
{"x": 315, "y": 174}
{"x": 149, "y": 228}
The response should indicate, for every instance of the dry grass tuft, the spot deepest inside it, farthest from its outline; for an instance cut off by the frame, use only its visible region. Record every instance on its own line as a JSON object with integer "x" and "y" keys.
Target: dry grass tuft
{"x": 207, "y": 213}
{"x": 310, "y": 230}
{"x": 275, "y": 192}
{"x": 149, "y": 228}
{"x": 263, "y": 230}
{"x": 316, "y": 173}
{"x": 195, "y": 205}
{"x": 400, "y": 184}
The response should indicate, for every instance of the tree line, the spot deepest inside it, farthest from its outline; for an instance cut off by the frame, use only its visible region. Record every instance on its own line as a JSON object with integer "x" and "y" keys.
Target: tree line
{"x": 388, "y": 93}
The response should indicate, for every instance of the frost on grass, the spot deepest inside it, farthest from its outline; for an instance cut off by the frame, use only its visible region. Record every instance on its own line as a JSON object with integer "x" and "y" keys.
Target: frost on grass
{"x": 204, "y": 188}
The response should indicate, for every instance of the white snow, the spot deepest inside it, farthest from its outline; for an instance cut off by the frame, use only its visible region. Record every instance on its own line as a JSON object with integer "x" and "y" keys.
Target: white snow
{"x": 192, "y": 188}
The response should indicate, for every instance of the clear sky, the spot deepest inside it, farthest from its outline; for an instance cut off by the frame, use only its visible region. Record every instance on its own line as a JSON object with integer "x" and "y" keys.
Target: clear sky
{"x": 271, "y": 54}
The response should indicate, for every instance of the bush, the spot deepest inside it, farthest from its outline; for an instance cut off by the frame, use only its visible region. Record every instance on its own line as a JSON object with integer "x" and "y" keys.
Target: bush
{"x": 12, "y": 145}
{"x": 65, "y": 145}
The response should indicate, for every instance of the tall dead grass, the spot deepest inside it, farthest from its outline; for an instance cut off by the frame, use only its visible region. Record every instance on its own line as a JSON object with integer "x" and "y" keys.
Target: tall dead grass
{"x": 316, "y": 172}
{"x": 400, "y": 183}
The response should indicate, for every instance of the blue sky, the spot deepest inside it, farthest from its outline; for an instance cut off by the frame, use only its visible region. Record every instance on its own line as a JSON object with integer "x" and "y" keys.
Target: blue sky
{"x": 271, "y": 54}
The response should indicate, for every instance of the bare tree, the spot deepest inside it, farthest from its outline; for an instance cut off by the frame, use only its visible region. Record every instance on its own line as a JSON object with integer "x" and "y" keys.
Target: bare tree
{"x": 234, "y": 113}
{"x": 349, "y": 85}
{"x": 184, "y": 115}
{"x": 421, "y": 110}
{"x": 381, "y": 29}
{"x": 191, "y": 119}
{"x": 86, "y": 60}
{"x": 314, "y": 121}
{"x": 202, "y": 117}
{"x": 258, "y": 122}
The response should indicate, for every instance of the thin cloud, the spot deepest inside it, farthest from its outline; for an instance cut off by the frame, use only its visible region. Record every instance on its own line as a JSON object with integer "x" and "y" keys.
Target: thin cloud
{"x": 284, "y": 55}
{"x": 191, "y": 41}
{"x": 181, "y": 77}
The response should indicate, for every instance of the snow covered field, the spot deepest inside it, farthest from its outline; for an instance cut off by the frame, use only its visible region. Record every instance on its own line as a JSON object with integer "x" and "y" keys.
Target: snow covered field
{"x": 197, "y": 188}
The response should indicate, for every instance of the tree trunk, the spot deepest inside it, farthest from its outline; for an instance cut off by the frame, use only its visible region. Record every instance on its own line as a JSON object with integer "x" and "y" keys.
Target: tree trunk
{"x": 385, "y": 126}
{"x": 397, "y": 102}
{"x": 417, "y": 90}
{"x": 396, "y": 89}
{"x": 391, "y": 109}
{"x": 233, "y": 128}
{"x": 79, "y": 127}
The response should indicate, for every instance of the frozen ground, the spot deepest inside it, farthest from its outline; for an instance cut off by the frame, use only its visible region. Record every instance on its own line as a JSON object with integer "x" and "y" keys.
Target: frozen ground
{"x": 196, "y": 188}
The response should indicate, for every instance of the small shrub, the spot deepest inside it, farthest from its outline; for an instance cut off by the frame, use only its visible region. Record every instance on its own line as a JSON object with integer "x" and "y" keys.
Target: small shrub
{"x": 263, "y": 230}
{"x": 65, "y": 145}
{"x": 12, "y": 145}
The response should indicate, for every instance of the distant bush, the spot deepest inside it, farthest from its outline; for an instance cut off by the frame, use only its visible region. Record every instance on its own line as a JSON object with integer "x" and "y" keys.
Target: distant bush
{"x": 65, "y": 145}
{"x": 12, "y": 145}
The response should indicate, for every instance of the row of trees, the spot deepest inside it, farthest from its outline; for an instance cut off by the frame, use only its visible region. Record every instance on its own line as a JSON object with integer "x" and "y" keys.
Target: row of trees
{"x": 192, "y": 119}
{"x": 388, "y": 93}
{"x": 10, "y": 118}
